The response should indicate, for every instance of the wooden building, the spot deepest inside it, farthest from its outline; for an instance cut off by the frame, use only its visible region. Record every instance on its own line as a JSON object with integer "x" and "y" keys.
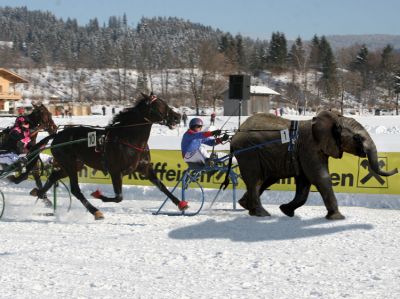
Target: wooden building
{"x": 8, "y": 95}
{"x": 260, "y": 101}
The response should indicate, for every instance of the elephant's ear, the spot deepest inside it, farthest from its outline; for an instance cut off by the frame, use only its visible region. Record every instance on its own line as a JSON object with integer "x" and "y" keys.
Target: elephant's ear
{"x": 326, "y": 131}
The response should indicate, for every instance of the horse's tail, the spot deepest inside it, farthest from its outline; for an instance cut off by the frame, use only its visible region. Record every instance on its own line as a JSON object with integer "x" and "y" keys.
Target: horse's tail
{"x": 225, "y": 183}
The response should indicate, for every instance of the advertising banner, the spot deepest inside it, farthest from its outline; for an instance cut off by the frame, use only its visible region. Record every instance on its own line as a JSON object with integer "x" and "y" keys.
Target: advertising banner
{"x": 350, "y": 174}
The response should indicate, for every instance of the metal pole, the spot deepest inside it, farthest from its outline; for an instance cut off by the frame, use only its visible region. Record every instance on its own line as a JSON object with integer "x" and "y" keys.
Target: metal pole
{"x": 55, "y": 197}
{"x": 240, "y": 111}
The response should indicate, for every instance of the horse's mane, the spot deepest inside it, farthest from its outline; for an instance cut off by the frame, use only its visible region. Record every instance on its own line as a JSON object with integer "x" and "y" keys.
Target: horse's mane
{"x": 129, "y": 115}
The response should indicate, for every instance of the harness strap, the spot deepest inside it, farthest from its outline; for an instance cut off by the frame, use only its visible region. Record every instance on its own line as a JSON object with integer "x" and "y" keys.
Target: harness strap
{"x": 294, "y": 134}
{"x": 140, "y": 149}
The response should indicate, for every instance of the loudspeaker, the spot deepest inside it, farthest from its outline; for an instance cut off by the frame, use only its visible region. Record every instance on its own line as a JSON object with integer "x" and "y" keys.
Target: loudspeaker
{"x": 239, "y": 87}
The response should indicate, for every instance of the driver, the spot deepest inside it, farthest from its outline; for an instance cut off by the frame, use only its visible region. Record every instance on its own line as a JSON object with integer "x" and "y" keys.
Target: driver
{"x": 194, "y": 140}
{"x": 20, "y": 135}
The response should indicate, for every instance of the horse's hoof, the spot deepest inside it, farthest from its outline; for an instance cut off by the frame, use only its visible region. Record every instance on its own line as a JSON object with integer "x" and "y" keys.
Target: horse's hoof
{"x": 259, "y": 212}
{"x": 334, "y": 216}
{"x": 96, "y": 194}
{"x": 34, "y": 192}
{"x": 47, "y": 203}
{"x": 286, "y": 210}
{"x": 183, "y": 205}
{"x": 98, "y": 215}
{"x": 11, "y": 178}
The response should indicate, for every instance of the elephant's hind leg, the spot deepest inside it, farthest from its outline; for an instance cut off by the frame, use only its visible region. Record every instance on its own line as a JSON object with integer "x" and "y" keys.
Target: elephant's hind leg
{"x": 267, "y": 183}
{"x": 253, "y": 201}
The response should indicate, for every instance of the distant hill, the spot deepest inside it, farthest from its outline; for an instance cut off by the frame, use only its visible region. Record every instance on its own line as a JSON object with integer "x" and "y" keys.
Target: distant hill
{"x": 372, "y": 41}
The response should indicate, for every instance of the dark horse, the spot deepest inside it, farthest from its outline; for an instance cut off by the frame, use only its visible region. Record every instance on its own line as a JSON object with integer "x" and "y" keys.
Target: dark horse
{"x": 123, "y": 150}
{"x": 40, "y": 119}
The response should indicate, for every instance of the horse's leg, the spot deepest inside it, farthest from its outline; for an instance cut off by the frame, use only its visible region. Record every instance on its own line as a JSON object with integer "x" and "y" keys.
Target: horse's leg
{"x": 39, "y": 185}
{"x": 116, "y": 179}
{"x": 24, "y": 175}
{"x": 76, "y": 191}
{"x": 149, "y": 173}
{"x": 55, "y": 175}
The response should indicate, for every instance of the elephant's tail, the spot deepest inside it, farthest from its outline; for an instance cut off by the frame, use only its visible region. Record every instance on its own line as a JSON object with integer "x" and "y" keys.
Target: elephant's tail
{"x": 226, "y": 182}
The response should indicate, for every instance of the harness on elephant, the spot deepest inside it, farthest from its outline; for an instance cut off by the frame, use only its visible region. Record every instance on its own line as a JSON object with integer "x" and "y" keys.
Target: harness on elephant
{"x": 292, "y": 148}
{"x": 293, "y": 136}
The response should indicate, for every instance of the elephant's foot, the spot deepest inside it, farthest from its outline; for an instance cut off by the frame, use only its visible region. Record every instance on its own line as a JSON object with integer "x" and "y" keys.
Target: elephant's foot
{"x": 334, "y": 215}
{"x": 287, "y": 210}
{"x": 259, "y": 212}
{"x": 243, "y": 203}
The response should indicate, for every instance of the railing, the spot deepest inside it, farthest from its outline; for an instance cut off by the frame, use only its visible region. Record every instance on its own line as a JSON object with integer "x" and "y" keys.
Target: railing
{"x": 10, "y": 95}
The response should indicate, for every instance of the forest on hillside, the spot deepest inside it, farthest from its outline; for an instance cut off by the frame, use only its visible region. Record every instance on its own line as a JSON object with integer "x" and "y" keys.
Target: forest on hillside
{"x": 321, "y": 75}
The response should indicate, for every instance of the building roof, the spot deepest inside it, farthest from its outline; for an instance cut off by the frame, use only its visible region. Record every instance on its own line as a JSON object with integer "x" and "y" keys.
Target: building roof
{"x": 12, "y": 77}
{"x": 262, "y": 90}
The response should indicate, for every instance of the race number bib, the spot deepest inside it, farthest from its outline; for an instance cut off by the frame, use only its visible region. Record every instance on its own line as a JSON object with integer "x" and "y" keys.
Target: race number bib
{"x": 285, "y": 136}
{"x": 91, "y": 137}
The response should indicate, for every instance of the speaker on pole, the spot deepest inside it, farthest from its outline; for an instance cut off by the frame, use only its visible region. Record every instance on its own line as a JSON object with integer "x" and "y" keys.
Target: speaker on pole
{"x": 239, "y": 87}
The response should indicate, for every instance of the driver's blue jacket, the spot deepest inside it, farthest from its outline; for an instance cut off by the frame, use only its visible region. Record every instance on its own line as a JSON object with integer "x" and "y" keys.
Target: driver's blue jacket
{"x": 192, "y": 140}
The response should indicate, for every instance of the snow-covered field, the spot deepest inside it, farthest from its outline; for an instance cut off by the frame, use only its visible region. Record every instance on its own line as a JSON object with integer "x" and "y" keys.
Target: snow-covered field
{"x": 218, "y": 254}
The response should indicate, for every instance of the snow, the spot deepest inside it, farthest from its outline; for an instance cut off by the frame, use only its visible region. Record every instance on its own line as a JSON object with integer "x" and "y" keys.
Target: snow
{"x": 262, "y": 90}
{"x": 220, "y": 253}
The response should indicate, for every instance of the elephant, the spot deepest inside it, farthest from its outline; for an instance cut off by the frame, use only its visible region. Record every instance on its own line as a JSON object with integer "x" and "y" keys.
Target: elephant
{"x": 264, "y": 159}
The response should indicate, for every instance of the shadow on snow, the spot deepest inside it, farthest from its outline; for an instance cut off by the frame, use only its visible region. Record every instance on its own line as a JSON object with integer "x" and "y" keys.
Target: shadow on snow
{"x": 250, "y": 229}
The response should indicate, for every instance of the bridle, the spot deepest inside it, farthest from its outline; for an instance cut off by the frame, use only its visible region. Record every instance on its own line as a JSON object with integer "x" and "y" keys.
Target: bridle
{"x": 49, "y": 126}
{"x": 152, "y": 110}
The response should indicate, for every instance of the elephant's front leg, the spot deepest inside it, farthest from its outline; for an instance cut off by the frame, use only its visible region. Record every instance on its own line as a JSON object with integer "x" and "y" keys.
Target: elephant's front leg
{"x": 324, "y": 186}
{"x": 302, "y": 191}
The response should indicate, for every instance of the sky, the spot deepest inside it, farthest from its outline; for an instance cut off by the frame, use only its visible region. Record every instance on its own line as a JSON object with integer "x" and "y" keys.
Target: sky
{"x": 252, "y": 18}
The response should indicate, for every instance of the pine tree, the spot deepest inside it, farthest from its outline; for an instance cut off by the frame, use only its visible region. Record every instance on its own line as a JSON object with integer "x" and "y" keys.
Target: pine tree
{"x": 385, "y": 70}
{"x": 240, "y": 55}
{"x": 328, "y": 81}
{"x": 277, "y": 52}
{"x": 314, "y": 57}
{"x": 296, "y": 56}
{"x": 396, "y": 88}
{"x": 361, "y": 65}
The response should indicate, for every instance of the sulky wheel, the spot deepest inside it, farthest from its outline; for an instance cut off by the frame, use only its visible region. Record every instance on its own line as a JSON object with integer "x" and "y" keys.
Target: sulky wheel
{"x": 2, "y": 203}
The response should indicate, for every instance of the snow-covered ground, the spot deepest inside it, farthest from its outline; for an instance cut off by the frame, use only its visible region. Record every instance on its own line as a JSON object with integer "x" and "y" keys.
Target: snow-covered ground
{"x": 218, "y": 254}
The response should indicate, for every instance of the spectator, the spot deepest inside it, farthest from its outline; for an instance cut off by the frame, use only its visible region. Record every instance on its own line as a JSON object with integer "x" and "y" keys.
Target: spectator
{"x": 104, "y": 110}
{"x": 212, "y": 119}
{"x": 184, "y": 119}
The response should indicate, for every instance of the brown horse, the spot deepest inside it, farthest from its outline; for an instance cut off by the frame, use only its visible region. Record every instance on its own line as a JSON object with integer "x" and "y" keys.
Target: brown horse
{"x": 123, "y": 150}
{"x": 40, "y": 119}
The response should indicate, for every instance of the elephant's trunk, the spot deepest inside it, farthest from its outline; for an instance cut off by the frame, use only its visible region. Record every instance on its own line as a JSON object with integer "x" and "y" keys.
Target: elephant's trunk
{"x": 374, "y": 163}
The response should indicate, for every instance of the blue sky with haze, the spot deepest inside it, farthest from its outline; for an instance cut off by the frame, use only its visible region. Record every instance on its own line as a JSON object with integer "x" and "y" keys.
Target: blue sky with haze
{"x": 253, "y": 18}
